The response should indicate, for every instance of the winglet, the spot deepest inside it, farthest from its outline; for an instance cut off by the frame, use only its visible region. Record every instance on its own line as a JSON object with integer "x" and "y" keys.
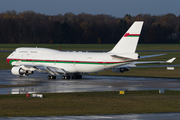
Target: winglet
{"x": 171, "y": 60}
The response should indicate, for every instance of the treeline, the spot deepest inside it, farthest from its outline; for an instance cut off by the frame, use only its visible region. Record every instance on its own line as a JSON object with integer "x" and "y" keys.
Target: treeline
{"x": 31, "y": 27}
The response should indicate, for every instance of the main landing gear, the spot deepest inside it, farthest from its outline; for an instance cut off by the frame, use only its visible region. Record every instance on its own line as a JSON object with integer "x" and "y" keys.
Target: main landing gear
{"x": 77, "y": 77}
{"x": 74, "y": 76}
{"x": 51, "y": 77}
{"x": 66, "y": 77}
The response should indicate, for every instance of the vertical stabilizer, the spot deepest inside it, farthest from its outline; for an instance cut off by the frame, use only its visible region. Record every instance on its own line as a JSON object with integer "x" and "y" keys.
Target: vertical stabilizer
{"x": 128, "y": 43}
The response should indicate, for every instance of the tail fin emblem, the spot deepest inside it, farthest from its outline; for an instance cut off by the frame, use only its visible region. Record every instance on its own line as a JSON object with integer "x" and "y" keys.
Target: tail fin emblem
{"x": 131, "y": 35}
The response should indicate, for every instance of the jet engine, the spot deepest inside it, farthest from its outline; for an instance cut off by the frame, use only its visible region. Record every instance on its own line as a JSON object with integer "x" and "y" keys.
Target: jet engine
{"x": 20, "y": 71}
{"x": 120, "y": 70}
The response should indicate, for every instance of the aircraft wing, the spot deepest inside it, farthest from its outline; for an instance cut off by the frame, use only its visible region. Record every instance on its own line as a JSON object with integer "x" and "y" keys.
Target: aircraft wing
{"x": 149, "y": 66}
{"x": 133, "y": 64}
{"x": 153, "y": 62}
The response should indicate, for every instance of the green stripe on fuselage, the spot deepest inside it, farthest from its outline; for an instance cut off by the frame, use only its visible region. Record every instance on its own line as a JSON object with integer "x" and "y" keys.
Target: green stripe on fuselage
{"x": 132, "y": 36}
{"x": 65, "y": 62}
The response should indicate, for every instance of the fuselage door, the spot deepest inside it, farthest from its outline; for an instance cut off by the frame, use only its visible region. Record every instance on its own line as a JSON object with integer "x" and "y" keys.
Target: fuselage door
{"x": 104, "y": 64}
{"x": 54, "y": 61}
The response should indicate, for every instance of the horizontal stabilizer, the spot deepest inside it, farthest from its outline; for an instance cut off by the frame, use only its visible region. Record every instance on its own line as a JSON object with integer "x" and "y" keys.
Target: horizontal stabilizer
{"x": 148, "y": 56}
{"x": 119, "y": 57}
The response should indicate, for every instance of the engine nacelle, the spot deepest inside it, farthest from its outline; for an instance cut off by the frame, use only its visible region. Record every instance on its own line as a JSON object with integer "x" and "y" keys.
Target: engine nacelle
{"x": 20, "y": 71}
{"x": 120, "y": 70}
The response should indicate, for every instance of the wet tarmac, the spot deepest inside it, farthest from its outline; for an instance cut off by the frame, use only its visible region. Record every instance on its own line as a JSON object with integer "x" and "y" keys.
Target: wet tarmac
{"x": 87, "y": 84}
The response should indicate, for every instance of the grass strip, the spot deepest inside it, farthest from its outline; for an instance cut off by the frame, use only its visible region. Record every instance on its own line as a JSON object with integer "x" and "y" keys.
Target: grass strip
{"x": 90, "y": 103}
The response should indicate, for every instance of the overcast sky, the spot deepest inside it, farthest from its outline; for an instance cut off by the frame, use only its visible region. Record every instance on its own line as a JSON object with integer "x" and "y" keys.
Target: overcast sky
{"x": 117, "y": 8}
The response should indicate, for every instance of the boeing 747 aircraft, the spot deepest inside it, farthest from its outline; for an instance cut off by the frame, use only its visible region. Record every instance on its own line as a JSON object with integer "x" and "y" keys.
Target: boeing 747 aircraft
{"x": 122, "y": 57}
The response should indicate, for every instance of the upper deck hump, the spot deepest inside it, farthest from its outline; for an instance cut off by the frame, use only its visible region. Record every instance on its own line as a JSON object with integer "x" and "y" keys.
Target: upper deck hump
{"x": 35, "y": 50}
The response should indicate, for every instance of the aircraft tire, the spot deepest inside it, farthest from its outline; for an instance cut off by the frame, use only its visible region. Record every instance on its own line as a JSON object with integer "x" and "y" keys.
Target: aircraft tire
{"x": 49, "y": 77}
{"x": 66, "y": 77}
{"x": 77, "y": 77}
{"x": 54, "y": 77}
{"x": 80, "y": 76}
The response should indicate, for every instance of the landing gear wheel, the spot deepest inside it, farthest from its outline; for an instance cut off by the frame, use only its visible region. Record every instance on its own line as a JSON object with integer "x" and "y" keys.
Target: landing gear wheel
{"x": 66, "y": 77}
{"x": 54, "y": 77}
{"x": 80, "y": 76}
{"x": 51, "y": 77}
{"x": 77, "y": 77}
{"x": 74, "y": 76}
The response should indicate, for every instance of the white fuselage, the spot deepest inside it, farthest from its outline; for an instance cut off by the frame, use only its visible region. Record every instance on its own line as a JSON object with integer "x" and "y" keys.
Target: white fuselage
{"x": 71, "y": 62}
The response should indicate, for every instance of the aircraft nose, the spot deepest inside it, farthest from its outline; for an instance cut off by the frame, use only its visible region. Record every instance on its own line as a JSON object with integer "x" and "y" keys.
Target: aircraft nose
{"x": 8, "y": 60}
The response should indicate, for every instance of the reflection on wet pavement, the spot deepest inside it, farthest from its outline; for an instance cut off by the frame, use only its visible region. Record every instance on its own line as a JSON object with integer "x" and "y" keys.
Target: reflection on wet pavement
{"x": 88, "y": 83}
